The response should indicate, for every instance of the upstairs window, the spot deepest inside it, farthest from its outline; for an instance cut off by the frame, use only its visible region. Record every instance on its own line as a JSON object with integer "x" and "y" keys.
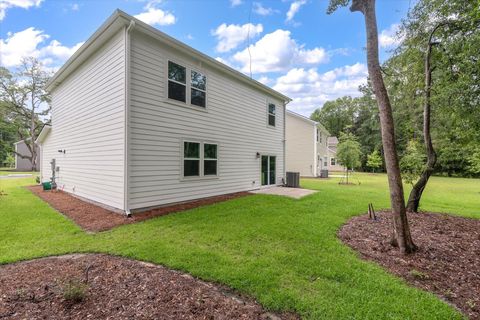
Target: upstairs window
{"x": 177, "y": 82}
{"x": 198, "y": 89}
{"x": 318, "y": 135}
{"x": 271, "y": 114}
{"x": 186, "y": 85}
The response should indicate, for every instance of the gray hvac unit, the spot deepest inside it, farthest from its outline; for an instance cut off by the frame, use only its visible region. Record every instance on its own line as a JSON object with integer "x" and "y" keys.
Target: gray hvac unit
{"x": 324, "y": 174}
{"x": 293, "y": 179}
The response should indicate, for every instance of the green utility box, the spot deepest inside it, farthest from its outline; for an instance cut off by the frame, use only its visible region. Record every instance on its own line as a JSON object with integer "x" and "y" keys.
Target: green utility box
{"x": 47, "y": 185}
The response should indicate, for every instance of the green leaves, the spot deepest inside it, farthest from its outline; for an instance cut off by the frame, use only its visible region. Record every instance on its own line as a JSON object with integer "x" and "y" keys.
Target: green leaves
{"x": 335, "y": 4}
{"x": 348, "y": 151}
{"x": 412, "y": 162}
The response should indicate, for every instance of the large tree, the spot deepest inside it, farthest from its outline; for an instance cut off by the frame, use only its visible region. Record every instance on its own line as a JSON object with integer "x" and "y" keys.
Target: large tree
{"x": 337, "y": 115}
{"x": 401, "y": 231}
{"x": 25, "y": 101}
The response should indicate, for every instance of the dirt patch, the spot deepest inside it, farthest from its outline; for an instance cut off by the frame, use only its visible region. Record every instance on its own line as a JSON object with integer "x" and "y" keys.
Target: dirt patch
{"x": 116, "y": 288}
{"x": 94, "y": 218}
{"x": 448, "y": 260}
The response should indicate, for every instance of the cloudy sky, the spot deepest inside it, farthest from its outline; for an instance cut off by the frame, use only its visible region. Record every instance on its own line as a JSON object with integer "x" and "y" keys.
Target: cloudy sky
{"x": 295, "y": 47}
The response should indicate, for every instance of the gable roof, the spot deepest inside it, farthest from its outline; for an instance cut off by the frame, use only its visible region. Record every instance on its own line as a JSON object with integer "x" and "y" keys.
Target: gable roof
{"x": 332, "y": 140}
{"x": 121, "y": 19}
{"x": 299, "y": 116}
{"x": 43, "y": 134}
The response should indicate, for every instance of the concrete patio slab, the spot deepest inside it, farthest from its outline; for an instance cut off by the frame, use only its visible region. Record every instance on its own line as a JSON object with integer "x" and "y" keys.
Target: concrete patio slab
{"x": 295, "y": 193}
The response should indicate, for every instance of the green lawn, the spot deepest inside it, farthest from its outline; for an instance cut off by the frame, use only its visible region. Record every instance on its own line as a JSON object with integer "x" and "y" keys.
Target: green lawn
{"x": 284, "y": 252}
{"x": 7, "y": 171}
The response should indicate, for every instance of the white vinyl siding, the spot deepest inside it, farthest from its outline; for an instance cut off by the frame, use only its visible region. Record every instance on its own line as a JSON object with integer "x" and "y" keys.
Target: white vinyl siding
{"x": 300, "y": 145}
{"x": 88, "y": 122}
{"x": 234, "y": 120}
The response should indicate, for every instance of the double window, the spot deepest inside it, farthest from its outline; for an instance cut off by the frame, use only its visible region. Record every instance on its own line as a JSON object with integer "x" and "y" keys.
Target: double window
{"x": 271, "y": 114}
{"x": 200, "y": 159}
{"x": 182, "y": 80}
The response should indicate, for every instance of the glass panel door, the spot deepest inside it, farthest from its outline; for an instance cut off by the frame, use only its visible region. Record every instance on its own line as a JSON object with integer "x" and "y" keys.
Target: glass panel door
{"x": 268, "y": 170}
{"x": 271, "y": 169}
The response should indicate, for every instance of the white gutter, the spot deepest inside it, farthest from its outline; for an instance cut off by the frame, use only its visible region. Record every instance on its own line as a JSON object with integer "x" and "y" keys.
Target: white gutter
{"x": 127, "y": 117}
{"x": 285, "y": 140}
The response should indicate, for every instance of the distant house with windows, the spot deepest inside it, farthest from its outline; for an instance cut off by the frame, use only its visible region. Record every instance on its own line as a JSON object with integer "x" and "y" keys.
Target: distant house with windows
{"x": 142, "y": 120}
{"x": 309, "y": 147}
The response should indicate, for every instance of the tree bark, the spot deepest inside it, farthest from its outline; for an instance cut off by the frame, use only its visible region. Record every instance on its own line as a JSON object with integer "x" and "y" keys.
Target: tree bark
{"x": 401, "y": 230}
{"x": 416, "y": 194}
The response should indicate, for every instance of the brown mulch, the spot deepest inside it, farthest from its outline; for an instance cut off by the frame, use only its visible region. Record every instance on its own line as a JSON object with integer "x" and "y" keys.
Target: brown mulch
{"x": 92, "y": 217}
{"x": 116, "y": 288}
{"x": 447, "y": 262}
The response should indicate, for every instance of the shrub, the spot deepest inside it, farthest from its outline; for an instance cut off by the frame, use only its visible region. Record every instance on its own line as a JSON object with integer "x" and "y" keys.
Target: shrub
{"x": 74, "y": 291}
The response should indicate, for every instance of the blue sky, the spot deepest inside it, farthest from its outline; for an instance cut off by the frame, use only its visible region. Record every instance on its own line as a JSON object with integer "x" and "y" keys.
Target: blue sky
{"x": 296, "y": 47}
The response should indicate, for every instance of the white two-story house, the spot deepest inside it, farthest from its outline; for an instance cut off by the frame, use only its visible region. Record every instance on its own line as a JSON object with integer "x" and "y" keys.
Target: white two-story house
{"x": 141, "y": 120}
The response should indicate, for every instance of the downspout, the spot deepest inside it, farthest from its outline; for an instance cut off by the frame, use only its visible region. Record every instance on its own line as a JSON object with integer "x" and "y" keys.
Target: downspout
{"x": 127, "y": 117}
{"x": 285, "y": 141}
{"x": 315, "y": 143}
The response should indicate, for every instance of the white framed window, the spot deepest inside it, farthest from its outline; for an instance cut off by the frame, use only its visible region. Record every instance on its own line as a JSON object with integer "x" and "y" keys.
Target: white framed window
{"x": 325, "y": 162}
{"x": 177, "y": 85}
{"x": 191, "y": 159}
{"x": 319, "y": 137}
{"x": 271, "y": 114}
{"x": 332, "y": 161}
{"x": 200, "y": 159}
{"x": 186, "y": 85}
{"x": 210, "y": 159}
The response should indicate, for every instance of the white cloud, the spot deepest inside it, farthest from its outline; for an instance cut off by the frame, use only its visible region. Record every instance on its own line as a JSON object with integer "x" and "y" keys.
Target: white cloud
{"x": 235, "y": 3}
{"x": 259, "y": 9}
{"x": 232, "y": 35}
{"x": 277, "y": 51}
{"x": 25, "y": 4}
{"x": 310, "y": 89}
{"x": 265, "y": 80}
{"x": 294, "y": 8}
{"x": 75, "y": 7}
{"x": 28, "y": 43}
{"x": 390, "y": 37}
{"x": 154, "y": 16}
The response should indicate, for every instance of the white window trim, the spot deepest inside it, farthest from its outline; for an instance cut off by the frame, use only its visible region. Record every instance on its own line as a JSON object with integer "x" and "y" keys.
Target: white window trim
{"x": 268, "y": 114}
{"x": 202, "y": 158}
{"x": 188, "y": 86}
{"x": 335, "y": 160}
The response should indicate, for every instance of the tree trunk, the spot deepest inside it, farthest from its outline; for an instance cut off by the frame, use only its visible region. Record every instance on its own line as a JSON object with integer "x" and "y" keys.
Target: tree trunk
{"x": 401, "y": 229}
{"x": 415, "y": 195}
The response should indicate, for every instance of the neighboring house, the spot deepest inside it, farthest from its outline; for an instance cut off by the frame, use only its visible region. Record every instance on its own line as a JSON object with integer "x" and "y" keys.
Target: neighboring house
{"x": 24, "y": 164}
{"x": 333, "y": 165}
{"x": 308, "y": 149}
{"x": 141, "y": 120}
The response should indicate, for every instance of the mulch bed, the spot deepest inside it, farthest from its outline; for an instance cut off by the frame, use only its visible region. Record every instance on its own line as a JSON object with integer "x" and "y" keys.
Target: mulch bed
{"x": 447, "y": 262}
{"x": 92, "y": 217}
{"x": 115, "y": 288}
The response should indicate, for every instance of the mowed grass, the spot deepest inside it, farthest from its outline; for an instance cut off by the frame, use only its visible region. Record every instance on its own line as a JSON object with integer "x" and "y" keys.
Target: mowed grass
{"x": 283, "y": 252}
